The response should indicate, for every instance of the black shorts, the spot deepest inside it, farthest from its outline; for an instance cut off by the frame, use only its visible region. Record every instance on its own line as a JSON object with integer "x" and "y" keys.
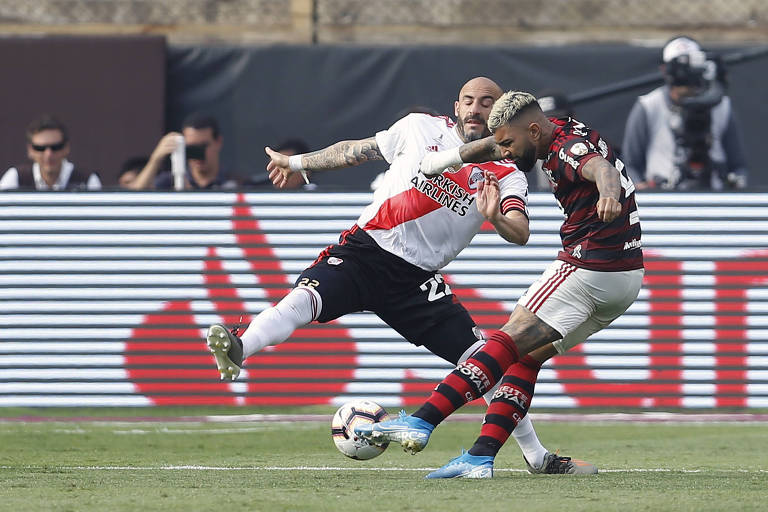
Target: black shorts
{"x": 358, "y": 275}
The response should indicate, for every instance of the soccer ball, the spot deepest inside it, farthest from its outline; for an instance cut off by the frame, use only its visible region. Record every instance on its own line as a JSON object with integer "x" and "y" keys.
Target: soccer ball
{"x": 349, "y": 415}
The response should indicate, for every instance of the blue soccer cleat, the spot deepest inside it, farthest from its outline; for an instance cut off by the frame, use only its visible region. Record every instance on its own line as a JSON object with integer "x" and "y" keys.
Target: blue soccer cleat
{"x": 411, "y": 432}
{"x": 466, "y": 466}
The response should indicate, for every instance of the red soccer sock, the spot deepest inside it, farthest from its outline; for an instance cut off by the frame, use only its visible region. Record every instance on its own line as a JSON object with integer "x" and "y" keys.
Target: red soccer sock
{"x": 509, "y": 406}
{"x": 471, "y": 378}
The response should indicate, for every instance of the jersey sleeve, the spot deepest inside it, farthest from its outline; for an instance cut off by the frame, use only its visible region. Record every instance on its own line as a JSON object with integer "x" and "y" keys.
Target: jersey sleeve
{"x": 514, "y": 192}
{"x": 572, "y": 154}
{"x": 393, "y": 140}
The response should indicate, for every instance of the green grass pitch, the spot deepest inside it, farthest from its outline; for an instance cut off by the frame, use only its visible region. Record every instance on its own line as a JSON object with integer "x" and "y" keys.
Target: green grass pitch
{"x": 244, "y": 466}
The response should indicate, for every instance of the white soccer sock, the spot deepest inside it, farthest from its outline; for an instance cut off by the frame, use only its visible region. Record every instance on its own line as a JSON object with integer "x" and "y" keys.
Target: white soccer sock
{"x": 273, "y": 325}
{"x": 524, "y": 433}
{"x": 529, "y": 443}
{"x": 471, "y": 350}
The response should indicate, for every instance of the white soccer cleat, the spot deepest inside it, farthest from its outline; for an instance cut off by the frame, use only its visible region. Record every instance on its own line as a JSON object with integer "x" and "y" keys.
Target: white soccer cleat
{"x": 556, "y": 464}
{"x": 227, "y": 349}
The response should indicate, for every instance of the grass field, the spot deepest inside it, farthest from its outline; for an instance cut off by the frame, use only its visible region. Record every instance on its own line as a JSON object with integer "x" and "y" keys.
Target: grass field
{"x": 172, "y": 465}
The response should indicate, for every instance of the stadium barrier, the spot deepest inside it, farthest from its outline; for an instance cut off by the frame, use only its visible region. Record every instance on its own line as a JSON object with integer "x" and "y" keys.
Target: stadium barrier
{"x": 105, "y": 298}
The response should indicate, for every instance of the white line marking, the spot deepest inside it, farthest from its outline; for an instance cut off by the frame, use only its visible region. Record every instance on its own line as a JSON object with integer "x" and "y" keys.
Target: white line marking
{"x": 333, "y": 468}
{"x": 653, "y": 417}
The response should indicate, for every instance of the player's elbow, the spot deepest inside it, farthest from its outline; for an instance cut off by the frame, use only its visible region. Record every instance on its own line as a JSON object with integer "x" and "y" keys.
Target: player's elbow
{"x": 520, "y": 236}
{"x": 525, "y": 235}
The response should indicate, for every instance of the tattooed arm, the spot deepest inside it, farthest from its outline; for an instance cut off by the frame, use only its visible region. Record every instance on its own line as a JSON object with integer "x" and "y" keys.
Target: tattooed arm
{"x": 478, "y": 151}
{"x": 342, "y": 154}
{"x": 346, "y": 153}
{"x": 608, "y": 180}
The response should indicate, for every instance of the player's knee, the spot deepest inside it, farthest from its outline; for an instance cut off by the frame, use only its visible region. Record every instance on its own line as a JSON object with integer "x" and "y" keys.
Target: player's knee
{"x": 304, "y": 304}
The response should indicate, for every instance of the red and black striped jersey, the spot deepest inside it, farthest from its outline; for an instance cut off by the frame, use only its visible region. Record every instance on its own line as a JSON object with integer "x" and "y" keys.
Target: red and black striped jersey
{"x": 589, "y": 242}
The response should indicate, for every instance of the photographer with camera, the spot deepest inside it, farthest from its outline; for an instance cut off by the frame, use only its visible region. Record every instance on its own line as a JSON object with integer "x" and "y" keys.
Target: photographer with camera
{"x": 683, "y": 135}
{"x": 195, "y": 163}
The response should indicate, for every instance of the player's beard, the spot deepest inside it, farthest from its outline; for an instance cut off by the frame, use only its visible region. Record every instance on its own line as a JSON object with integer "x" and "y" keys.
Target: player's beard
{"x": 473, "y": 135}
{"x": 526, "y": 162}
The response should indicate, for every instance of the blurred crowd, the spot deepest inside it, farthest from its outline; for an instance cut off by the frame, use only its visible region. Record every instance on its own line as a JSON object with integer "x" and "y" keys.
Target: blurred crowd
{"x": 185, "y": 160}
{"x": 682, "y": 135}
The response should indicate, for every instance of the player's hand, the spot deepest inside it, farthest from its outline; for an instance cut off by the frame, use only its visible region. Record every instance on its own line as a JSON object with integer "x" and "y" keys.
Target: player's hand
{"x": 279, "y": 172}
{"x": 435, "y": 163}
{"x": 428, "y": 165}
{"x": 608, "y": 209}
{"x": 488, "y": 196}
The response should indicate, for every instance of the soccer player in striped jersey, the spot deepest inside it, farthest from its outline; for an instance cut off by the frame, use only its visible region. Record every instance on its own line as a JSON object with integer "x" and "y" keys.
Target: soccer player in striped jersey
{"x": 594, "y": 279}
{"x": 389, "y": 261}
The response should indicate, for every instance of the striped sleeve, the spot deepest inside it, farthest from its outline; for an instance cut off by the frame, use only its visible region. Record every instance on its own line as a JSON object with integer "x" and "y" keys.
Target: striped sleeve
{"x": 514, "y": 193}
{"x": 510, "y": 203}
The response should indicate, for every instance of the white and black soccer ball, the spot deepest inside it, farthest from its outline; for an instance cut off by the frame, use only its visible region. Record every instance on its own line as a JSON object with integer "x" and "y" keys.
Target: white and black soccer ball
{"x": 349, "y": 415}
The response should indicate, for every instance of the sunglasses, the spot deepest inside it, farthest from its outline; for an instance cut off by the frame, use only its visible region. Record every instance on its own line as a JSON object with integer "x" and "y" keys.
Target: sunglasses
{"x": 53, "y": 147}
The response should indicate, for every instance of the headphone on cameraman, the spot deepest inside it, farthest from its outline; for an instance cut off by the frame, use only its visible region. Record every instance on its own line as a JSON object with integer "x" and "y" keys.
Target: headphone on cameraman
{"x": 684, "y": 63}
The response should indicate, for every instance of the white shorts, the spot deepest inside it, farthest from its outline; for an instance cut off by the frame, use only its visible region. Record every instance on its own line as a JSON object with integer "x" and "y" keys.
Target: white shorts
{"x": 577, "y": 302}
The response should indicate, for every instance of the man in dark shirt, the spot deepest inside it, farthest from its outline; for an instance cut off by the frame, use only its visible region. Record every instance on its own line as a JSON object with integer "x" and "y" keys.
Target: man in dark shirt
{"x": 594, "y": 279}
{"x": 203, "y": 142}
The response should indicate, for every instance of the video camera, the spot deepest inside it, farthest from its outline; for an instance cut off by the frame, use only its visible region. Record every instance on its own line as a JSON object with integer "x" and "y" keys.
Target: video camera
{"x": 705, "y": 77}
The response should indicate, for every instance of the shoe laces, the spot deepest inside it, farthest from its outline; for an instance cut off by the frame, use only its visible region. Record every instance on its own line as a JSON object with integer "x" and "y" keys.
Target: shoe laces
{"x": 235, "y": 330}
{"x": 455, "y": 460}
{"x": 558, "y": 463}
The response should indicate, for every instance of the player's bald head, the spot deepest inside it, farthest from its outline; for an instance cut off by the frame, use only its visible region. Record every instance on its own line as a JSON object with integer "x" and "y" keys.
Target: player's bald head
{"x": 480, "y": 86}
{"x": 515, "y": 107}
{"x": 473, "y": 106}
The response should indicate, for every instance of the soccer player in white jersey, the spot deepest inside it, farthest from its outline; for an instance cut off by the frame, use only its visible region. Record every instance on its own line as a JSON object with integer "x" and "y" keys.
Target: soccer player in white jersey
{"x": 389, "y": 261}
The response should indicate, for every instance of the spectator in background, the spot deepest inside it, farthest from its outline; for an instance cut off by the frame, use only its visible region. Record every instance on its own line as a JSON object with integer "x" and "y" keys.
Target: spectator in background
{"x": 290, "y": 147}
{"x": 293, "y": 147}
{"x": 554, "y": 104}
{"x": 683, "y": 135}
{"x": 203, "y": 141}
{"x": 48, "y": 149}
{"x": 130, "y": 170}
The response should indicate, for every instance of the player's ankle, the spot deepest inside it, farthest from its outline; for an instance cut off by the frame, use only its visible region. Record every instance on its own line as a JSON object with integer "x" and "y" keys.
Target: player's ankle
{"x": 423, "y": 423}
{"x": 485, "y": 448}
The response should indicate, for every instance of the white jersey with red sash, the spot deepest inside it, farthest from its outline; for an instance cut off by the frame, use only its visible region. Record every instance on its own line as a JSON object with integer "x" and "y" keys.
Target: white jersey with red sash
{"x": 429, "y": 221}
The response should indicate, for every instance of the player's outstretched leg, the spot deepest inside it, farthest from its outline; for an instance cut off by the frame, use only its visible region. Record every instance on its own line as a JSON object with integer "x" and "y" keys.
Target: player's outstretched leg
{"x": 270, "y": 327}
{"x": 470, "y": 380}
{"x": 227, "y": 348}
{"x": 466, "y": 466}
{"x": 411, "y": 432}
{"x": 557, "y": 464}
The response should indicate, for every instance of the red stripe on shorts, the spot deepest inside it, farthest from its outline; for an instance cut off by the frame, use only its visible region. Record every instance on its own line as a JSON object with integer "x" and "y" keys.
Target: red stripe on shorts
{"x": 548, "y": 288}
